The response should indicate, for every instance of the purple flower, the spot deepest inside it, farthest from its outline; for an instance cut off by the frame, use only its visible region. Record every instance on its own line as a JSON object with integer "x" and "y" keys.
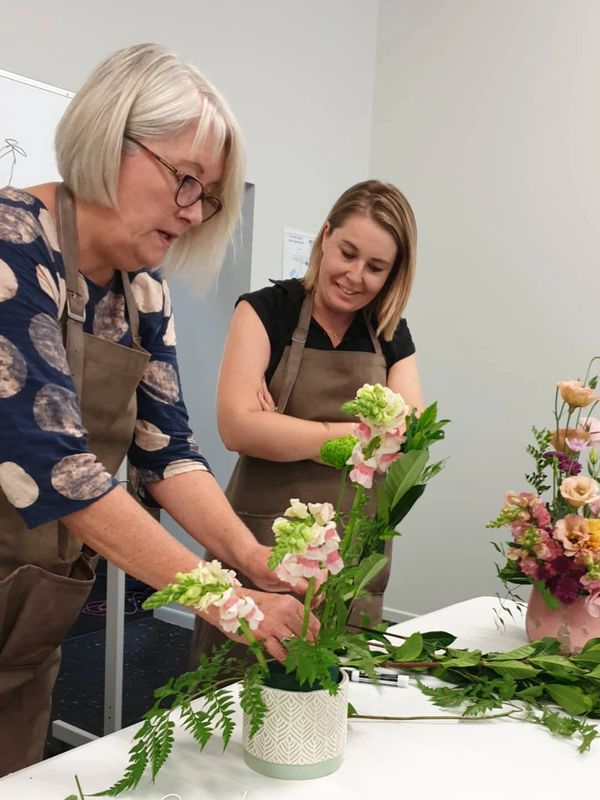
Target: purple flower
{"x": 564, "y": 588}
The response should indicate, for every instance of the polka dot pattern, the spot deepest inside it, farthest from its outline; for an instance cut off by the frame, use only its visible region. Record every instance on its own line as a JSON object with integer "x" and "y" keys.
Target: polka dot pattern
{"x": 181, "y": 466}
{"x": 17, "y": 195}
{"x": 53, "y": 285}
{"x": 167, "y": 299}
{"x": 19, "y": 487}
{"x": 57, "y": 409}
{"x": 17, "y": 225}
{"x": 169, "y": 338}
{"x": 47, "y": 340}
{"x": 149, "y": 437}
{"x": 80, "y": 477}
{"x": 109, "y": 318}
{"x": 148, "y": 293}
{"x": 13, "y": 369}
{"x": 8, "y": 282}
{"x": 160, "y": 382}
{"x": 49, "y": 229}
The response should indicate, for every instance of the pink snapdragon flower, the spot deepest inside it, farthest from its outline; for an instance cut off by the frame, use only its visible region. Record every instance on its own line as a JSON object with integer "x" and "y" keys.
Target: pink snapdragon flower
{"x": 233, "y": 608}
{"x": 312, "y": 542}
{"x": 364, "y": 469}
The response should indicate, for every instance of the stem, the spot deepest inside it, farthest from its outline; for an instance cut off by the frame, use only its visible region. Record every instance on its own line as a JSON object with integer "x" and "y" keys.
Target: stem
{"x": 435, "y": 716}
{"x": 253, "y": 641}
{"x": 307, "y": 601}
{"x": 342, "y": 489}
{"x": 79, "y": 789}
{"x": 356, "y": 503}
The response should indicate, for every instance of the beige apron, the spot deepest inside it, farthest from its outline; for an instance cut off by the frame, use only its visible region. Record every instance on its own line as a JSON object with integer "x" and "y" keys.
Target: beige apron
{"x": 45, "y": 577}
{"x": 313, "y": 385}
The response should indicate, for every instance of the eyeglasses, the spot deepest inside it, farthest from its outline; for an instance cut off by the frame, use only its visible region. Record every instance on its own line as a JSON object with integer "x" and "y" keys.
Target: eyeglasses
{"x": 189, "y": 189}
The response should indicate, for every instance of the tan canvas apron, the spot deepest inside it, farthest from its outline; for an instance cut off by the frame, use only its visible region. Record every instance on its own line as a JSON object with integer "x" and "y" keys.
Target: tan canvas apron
{"x": 313, "y": 385}
{"x": 44, "y": 576}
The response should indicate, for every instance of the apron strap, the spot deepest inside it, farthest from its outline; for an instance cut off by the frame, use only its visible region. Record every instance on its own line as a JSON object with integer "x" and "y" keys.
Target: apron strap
{"x": 75, "y": 343}
{"x": 374, "y": 340}
{"x": 132, "y": 309}
{"x": 67, "y": 237}
{"x": 295, "y": 353}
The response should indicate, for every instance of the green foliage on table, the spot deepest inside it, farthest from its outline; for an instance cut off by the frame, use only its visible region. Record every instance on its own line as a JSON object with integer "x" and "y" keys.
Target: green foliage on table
{"x": 154, "y": 739}
{"x": 532, "y": 683}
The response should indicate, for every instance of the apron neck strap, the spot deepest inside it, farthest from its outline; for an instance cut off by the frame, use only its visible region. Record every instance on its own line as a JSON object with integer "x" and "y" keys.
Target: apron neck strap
{"x": 374, "y": 340}
{"x": 75, "y": 307}
{"x": 132, "y": 309}
{"x": 295, "y": 354}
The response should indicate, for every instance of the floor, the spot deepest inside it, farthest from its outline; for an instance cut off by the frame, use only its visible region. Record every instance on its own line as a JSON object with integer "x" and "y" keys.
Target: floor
{"x": 153, "y": 652}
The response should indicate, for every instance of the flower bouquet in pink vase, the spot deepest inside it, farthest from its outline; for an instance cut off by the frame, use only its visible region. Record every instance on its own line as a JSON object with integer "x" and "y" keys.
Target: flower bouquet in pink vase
{"x": 555, "y": 528}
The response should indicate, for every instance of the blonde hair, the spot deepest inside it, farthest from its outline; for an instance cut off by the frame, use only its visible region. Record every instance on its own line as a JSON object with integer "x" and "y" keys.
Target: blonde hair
{"x": 387, "y": 206}
{"x": 146, "y": 92}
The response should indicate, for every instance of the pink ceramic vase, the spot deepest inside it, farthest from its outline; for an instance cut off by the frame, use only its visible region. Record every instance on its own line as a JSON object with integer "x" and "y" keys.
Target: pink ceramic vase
{"x": 571, "y": 625}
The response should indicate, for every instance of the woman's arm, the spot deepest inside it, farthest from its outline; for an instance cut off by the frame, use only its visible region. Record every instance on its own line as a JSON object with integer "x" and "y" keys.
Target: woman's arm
{"x": 117, "y": 527}
{"x": 243, "y": 424}
{"x": 403, "y": 377}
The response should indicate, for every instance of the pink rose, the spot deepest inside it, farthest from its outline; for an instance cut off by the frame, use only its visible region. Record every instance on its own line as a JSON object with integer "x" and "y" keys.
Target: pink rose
{"x": 579, "y": 490}
{"x": 572, "y": 533}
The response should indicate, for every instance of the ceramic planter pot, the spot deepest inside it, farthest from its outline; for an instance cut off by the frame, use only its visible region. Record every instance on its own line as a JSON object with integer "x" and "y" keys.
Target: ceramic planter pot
{"x": 571, "y": 625}
{"x": 303, "y": 735}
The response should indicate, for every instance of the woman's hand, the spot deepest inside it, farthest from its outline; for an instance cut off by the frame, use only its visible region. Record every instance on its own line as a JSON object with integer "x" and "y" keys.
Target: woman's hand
{"x": 283, "y": 619}
{"x": 265, "y": 399}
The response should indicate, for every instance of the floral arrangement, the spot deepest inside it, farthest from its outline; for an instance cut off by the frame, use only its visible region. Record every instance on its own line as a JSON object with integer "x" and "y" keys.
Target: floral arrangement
{"x": 556, "y": 541}
{"x": 338, "y": 555}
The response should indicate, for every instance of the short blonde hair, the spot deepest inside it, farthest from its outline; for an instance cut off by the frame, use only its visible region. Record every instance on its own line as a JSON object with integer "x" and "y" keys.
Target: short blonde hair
{"x": 145, "y": 92}
{"x": 387, "y": 206}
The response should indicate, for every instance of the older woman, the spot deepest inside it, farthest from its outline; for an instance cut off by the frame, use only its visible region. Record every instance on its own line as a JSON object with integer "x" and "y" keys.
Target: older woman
{"x": 296, "y": 351}
{"x": 152, "y": 164}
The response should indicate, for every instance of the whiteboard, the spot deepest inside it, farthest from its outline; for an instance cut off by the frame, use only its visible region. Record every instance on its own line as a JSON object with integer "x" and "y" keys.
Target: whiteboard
{"x": 29, "y": 114}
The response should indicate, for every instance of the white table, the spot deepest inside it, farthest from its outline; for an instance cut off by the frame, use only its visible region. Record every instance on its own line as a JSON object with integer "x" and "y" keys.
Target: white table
{"x": 444, "y": 760}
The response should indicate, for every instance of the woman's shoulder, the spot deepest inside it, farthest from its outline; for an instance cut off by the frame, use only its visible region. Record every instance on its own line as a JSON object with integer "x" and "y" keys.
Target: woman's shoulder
{"x": 277, "y": 305}
{"x": 26, "y": 224}
{"x": 279, "y": 292}
{"x": 401, "y": 345}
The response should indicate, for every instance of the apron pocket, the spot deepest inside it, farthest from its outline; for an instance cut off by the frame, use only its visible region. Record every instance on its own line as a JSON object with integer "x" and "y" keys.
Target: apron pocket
{"x": 37, "y": 609}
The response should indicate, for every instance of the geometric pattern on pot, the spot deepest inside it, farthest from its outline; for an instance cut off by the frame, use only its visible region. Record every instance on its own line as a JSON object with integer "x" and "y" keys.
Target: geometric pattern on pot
{"x": 301, "y": 727}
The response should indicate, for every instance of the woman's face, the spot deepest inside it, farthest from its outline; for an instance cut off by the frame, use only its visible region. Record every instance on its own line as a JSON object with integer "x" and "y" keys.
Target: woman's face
{"x": 357, "y": 259}
{"x": 148, "y": 219}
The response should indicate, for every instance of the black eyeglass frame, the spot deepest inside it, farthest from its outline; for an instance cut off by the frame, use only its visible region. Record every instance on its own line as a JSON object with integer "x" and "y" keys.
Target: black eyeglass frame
{"x": 183, "y": 177}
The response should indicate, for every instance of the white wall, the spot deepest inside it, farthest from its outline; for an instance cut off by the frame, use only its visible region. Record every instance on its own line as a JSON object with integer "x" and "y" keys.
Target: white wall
{"x": 299, "y": 76}
{"x": 487, "y": 115}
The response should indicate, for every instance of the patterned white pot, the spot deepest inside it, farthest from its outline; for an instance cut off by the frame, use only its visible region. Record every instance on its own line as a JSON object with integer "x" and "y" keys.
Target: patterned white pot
{"x": 303, "y": 735}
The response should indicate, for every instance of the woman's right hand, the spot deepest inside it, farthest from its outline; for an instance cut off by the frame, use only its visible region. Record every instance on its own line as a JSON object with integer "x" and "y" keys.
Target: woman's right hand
{"x": 283, "y": 619}
{"x": 265, "y": 399}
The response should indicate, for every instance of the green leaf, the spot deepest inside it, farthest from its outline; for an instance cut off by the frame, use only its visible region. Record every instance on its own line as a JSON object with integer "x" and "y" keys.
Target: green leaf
{"x": 410, "y": 650}
{"x": 352, "y": 712}
{"x": 438, "y": 639}
{"x": 406, "y": 474}
{"x": 557, "y": 666}
{"x": 469, "y": 658}
{"x": 513, "y": 655}
{"x": 549, "y": 599}
{"x": 516, "y": 669}
{"x": 404, "y": 505}
{"x": 367, "y": 569}
{"x": 590, "y": 653}
{"x": 531, "y": 692}
{"x": 570, "y": 698}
